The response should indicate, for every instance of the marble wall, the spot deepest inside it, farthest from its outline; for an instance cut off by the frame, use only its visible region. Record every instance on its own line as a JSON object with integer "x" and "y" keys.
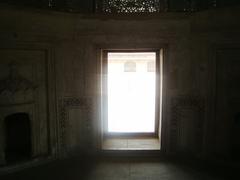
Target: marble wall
{"x": 58, "y": 55}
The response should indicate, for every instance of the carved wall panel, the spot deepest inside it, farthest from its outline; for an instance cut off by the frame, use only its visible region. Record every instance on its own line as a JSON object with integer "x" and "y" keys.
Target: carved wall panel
{"x": 23, "y": 89}
{"x": 187, "y": 120}
{"x": 75, "y": 124}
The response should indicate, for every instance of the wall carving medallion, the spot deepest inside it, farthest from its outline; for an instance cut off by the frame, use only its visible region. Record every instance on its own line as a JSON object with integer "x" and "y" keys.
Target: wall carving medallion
{"x": 66, "y": 104}
{"x": 15, "y": 82}
{"x": 187, "y": 120}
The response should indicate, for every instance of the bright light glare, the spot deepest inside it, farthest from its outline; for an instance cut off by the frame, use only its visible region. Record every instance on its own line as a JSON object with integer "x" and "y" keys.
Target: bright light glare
{"x": 131, "y": 95}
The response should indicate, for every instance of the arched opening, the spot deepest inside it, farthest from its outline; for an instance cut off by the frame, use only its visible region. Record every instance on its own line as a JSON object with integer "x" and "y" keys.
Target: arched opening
{"x": 18, "y": 137}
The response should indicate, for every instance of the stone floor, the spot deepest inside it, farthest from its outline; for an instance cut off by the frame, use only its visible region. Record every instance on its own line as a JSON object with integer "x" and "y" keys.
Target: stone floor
{"x": 114, "y": 169}
{"x": 131, "y": 144}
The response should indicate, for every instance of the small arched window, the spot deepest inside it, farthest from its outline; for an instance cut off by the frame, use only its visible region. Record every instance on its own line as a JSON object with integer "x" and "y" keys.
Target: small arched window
{"x": 130, "y": 66}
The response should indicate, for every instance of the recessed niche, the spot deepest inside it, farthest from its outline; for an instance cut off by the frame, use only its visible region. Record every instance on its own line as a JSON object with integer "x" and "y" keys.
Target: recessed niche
{"x": 17, "y": 138}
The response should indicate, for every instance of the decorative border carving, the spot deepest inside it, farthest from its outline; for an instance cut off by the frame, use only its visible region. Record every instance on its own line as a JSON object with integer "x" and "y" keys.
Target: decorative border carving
{"x": 64, "y": 105}
{"x": 178, "y": 104}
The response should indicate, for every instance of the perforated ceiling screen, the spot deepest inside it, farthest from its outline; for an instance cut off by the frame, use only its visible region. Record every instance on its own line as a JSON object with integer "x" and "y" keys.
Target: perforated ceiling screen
{"x": 131, "y": 6}
{"x": 124, "y": 6}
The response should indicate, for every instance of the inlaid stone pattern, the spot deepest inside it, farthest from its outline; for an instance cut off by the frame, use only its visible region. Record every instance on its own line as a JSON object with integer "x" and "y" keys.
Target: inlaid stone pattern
{"x": 187, "y": 120}
{"x": 81, "y": 107}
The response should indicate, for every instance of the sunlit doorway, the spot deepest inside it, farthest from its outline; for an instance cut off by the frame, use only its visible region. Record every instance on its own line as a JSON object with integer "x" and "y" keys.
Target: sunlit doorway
{"x": 132, "y": 88}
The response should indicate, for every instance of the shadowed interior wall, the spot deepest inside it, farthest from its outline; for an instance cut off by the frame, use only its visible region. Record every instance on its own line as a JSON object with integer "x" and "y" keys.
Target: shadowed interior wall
{"x": 69, "y": 44}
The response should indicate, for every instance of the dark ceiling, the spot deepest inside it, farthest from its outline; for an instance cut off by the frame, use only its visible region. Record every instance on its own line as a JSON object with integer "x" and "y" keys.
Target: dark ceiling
{"x": 124, "y": 6}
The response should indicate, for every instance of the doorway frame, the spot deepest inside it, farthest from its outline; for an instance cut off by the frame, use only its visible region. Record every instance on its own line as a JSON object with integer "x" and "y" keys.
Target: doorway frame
{"x": 164, "y": 125}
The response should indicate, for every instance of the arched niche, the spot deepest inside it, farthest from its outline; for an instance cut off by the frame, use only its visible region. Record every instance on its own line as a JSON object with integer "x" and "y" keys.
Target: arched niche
{"x": 18, "y": 146}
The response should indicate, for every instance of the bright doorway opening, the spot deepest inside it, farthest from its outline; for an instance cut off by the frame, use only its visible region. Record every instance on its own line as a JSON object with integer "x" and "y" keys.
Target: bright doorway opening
{"x": 131, "y": 92}
{"x": 132, "y": 97}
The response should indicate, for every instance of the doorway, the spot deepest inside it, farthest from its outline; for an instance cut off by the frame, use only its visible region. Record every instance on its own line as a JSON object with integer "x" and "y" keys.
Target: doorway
{"x": 131, "y": 99}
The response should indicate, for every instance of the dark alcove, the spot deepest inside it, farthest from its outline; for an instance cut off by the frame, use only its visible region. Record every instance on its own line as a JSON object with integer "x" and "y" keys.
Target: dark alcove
{"x": 236, "y": 138}
{"x": 18, "y": 137}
